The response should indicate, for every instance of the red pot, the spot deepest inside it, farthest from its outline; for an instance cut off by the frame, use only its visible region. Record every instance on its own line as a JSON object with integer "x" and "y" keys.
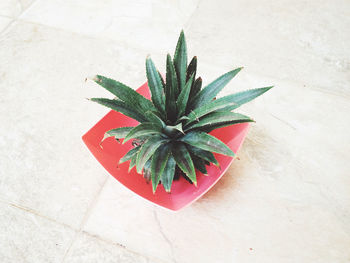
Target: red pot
{"x": 182, "y": 192}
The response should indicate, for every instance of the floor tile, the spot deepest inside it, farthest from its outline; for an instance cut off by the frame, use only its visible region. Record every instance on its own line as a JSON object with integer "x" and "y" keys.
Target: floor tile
{"x": 44, "y": 164}
{"x": 152, "y": 25}
{"x": 88, "y": 249}
{"x": 128, "y": 220}
{"x": 13, "y": 8}
{"x": 4, "y": 22}
{"x": 303, "y": 42}
{"x": 25, "y": 237}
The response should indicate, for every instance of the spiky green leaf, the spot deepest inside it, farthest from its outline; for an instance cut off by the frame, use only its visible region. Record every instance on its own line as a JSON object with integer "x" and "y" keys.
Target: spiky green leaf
{"x": 129, "y": 154}
{"x": 227, "y": 103}
{"x": 178, "y": 127}
{"x": 154, "y": 118}
{"x": 183, "y": 97}
{"x": 203, "y": 154}
{"x": 147, "y": 150}
{"x": 243, "y": 97}
{"x": 161, "y": 80}
{"x": 196, "y": 87}
{"x": 199, "y": 164}
{"x": 215, "y": 118}
{"x": 210, "y": 128}
{"x": 117, "y": 133}
{"x": 180, "y": 60}
{"x": 192, "y": 69}
{"x": 206, "y": 142}
{"x": 121, "y": 107}
{"x": 132, "y": 162}
{"x": 171, "y": 89}
{"x": 155, "y": 85}
{"x": 147, "y": 170}
{"x": 168, "y": 174}
{"x": 124, "y": 93}
{"x": 159, "y": 161}
{"x": 172, "y": 131}
{"x": 210, "y": 91}
{"x": 212, "y": 106}
{"x": 143, "y": 129}
{"x": 183, "y": 118}
{"x": 184, "y": 161}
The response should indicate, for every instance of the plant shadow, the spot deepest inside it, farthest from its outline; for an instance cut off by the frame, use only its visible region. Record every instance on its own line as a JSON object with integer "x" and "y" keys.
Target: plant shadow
{"x": 245, "y": 164}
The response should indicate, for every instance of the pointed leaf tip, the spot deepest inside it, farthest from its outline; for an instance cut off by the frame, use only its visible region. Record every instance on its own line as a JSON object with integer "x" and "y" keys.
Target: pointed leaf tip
{"x": 158, "y": 164}
{"x": 105, "y": 137}
{"x": 184, "y": 161}
{"x": 180, "y": 60}
{"x": 93, "y": 78}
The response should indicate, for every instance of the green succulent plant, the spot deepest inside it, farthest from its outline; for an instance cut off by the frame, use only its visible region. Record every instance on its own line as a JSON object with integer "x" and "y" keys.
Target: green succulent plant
{"x": 172, "y": 134}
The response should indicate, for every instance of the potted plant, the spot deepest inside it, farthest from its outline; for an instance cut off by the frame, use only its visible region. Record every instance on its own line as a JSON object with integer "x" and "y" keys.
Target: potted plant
{"x": 182, "y": 138}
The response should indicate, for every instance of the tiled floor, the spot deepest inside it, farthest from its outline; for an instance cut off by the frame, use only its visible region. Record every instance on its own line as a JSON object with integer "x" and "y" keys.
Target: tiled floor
{"x": 286, "y": 200}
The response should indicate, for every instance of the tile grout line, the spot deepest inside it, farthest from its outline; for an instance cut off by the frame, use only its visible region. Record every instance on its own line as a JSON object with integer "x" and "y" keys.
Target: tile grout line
{"x": 93, "y": 203}
{"x": 187, "y": 24}
{"x": 7, "y": 26}
{"x": 85, "y": 218}
{"x": 20, "y": 4}
{"x": 110, "y": 242}
{"x": 6, "y": 16}
{"x": 34, "y": 212}
{"x": 26, "y": 9}
{"x": 14, "y": 19}
{"x": 161, "y": 230}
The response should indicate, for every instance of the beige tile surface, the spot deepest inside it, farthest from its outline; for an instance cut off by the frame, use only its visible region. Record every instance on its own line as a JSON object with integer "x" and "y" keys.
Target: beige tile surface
{"x": 89, "y": 249}
{"x": 132, "y": 222}
{"x": 286, "y": 200}
{"x": 152, "y": 25}
{"x": 4, "y": 22}
{"x": 302, "y": 41}
{"x": 13, "y": 8}
{"x": 26, "y": 237}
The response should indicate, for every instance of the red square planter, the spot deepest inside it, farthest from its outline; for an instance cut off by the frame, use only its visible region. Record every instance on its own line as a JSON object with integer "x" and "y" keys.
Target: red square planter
{"x": 182, "y": 192}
